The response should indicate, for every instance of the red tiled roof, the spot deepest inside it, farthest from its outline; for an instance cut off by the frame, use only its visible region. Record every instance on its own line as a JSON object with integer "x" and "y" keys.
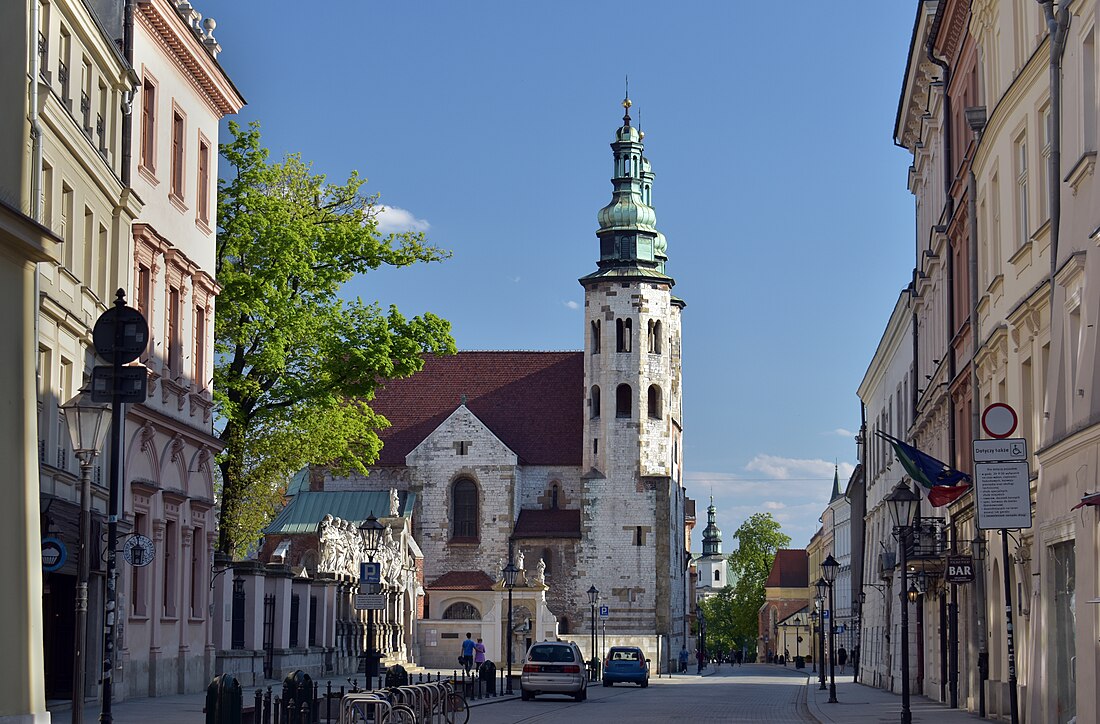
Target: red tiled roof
{"x": 532, "y": 401}
{"x": 462, "y": 581}
{"x": 790, "y": 569}
{"x": 553, "y": 523}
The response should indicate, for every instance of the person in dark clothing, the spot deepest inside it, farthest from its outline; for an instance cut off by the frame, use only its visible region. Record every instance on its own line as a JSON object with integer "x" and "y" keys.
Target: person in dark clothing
{"x": 842, "y": 657}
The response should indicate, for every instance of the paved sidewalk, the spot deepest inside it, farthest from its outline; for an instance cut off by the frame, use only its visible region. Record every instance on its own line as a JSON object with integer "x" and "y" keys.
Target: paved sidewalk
{"x": 859, "y": 703}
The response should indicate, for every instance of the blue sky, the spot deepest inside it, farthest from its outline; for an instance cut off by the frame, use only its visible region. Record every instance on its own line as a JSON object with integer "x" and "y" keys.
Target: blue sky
{"x": 487, "y": 124}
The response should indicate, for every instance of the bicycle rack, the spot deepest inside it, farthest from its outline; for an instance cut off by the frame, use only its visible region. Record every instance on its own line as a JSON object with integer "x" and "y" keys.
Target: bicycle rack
{"x": 354, "y": 708}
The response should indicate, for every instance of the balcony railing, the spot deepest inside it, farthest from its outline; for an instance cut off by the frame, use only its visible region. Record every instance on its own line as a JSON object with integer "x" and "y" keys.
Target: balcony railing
{"x": 928, "y": 539}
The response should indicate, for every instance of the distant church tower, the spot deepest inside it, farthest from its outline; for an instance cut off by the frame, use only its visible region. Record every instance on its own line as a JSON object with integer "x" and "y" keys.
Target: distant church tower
{"x": 633, "y": 492}
{"x": 711, "y": 566}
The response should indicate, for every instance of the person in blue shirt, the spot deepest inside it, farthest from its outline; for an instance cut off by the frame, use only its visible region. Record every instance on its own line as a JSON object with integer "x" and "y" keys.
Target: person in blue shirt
{"x": 468, "y": 653}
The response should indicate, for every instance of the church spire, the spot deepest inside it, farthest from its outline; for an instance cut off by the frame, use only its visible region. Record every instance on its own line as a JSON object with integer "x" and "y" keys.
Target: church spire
{"x": 836, "y": 483}
{"x": 712, "y": 537}
{"x": 630, "y": 245}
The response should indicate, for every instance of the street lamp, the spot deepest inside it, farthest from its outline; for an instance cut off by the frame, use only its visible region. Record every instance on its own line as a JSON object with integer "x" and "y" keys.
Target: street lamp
{"x": 813, "y": 637}
{"x": 510, "y": 572}
{"x": 819, "y": 599}
{"x": 903, "y": 506}
{"x": 829, "y": 568}
{"x": 88, "y": 423}
{"x": 371, "y": 530}
{"x": 593, "y": 596}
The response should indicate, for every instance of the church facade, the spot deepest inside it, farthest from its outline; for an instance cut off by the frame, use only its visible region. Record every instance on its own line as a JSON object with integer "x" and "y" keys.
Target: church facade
{"x": 567, "y": 463}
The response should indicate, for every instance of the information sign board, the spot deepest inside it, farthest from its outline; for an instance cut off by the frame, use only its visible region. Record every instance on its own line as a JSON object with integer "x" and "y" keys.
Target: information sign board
{"x": 1003, "y": 494}
{"x": 605, "y": 611}
{"x": 960, "y": 569}
{"x": 998, "y": 451}
{"x": 369, "y": 602}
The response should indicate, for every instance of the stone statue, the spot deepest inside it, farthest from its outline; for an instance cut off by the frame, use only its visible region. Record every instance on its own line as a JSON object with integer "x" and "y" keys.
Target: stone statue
{"x": 540, "y": 571}
{"x": 519, "y": 561}
{"x": 395, "y": 503}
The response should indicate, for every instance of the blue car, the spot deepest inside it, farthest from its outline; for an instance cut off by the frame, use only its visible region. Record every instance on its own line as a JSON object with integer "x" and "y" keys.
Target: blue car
{"x": 626, "y": 663}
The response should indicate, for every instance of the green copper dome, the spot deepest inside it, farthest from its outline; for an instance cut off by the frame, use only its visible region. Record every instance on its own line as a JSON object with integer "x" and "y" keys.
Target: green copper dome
{"x": 630, "y": 245}
{"x": 712, "y": 537}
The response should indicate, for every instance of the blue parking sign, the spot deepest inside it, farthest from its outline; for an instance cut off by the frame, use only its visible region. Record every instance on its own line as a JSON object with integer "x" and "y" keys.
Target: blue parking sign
{"x": 370, "y": 572}
{"x": 605, "y": 611}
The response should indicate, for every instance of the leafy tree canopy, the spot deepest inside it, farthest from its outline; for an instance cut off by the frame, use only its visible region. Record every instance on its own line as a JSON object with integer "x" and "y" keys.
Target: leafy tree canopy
{"x": 758, "y": 539}
{"x": 295, "y": 365}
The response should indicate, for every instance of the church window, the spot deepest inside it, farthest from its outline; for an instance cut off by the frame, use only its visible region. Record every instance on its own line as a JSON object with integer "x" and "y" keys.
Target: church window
{"x": 594, "y": 402}
{"x": 655, "y": 401}
{"x": 595, "y": 446}
{"x": 648, "y": 198}
{"x": 658, "y": 333}
{"x": 547, "y": 558}
{"x": 623, "y": 332}
{"x": 462, "y": 611}
{"x": 464, "y": 510}
{"x": 554, "y": 496}
{"x": 622, "y": 401}
{"x": 595, "y": 336}
{"x": 717, "y": 576}
{"x": 639, "y": 536}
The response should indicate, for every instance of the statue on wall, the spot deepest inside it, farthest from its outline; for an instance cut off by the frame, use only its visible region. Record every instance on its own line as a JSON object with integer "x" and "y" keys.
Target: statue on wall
{"x": 519, "y": 561}
{"x": 395, "y": 503}
{"x": 540, "y": 571}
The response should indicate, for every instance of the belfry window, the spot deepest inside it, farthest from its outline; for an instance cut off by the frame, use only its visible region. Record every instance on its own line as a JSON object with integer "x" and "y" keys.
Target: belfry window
{"x": 622, "y": 401}
{"x": 623, "y": 333}
{"x": 655, "y": 402}
{"x": 594, "y": 402}
{"x": 595, "y": 336}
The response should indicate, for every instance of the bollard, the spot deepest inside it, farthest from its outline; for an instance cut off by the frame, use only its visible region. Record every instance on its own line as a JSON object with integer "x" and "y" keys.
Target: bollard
{"x": 267, "y": 706}
{"x": 487, "y": 674}
{"x": 277, "y": 710}
{"x": 223, "y": 700}
{"x": 328, "y": 701}
{"x": 259, "y": 710}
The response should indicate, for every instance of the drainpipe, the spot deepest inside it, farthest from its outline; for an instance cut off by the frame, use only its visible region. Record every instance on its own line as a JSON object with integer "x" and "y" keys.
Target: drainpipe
{"x": 976, "y": 119}
{"x": 1057, "y": 26}
{"x": 36, "y": 167}
{"x": 128, "y": 98}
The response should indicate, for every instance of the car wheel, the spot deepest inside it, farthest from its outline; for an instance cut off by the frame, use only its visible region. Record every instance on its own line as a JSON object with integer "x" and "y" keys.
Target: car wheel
{"x": 606, "y": 682}
{"x": 526, "y": 695}
{"x": 581, "y": 695}
{"x": 645, "y": 683}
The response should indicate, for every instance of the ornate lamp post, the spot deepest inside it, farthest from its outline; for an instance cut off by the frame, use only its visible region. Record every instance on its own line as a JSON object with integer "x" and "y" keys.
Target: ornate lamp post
{"x": 829, "y": 568}
{"x": 88, "y": 423}
{"x": 813, "y": 637}
{"x": 903, "y": 506}
{"x": 510, "y": 572}
{"x": 371, "y": 530}
{"x": 821, "y": 586}
{"x": 593, "y": 596}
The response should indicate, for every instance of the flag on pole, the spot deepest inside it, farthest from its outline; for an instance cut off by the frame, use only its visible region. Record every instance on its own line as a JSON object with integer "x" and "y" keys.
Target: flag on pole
{"x": 1092, "y": 499}
{"x": 944, "y": 483}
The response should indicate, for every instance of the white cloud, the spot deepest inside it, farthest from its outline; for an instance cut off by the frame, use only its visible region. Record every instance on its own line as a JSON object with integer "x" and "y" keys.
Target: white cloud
{"x": 796, "y": 468}
{"x": 774, "y": 505}
{"x": 840, "y": 431}
{"x": 394, "y": 220}
{"x": 571, "y": 304}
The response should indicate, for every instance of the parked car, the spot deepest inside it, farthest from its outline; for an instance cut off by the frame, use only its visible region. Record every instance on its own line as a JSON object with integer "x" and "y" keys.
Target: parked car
{"x": 626, "y": 663}
{"x": 554, "y": 667}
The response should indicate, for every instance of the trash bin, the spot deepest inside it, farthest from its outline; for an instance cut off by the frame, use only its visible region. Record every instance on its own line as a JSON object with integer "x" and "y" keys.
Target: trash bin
{"x": 487, "y": 673}
{"x": 397, "y": 675}
{"x": 297, "y": 690}
{"x": 223, "y": 700}
{"x": 800, "y": 662}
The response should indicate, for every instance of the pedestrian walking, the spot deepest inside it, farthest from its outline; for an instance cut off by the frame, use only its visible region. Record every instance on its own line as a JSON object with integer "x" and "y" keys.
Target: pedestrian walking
{"x": 842, "y": 657}
{"x": 684, "y": 656}
{"x": 467, "y": 657}
{"x": 479, "y": 654}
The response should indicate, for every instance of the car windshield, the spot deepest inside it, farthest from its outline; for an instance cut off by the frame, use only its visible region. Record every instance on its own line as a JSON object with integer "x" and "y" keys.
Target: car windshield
{"x": 550, "y": 652}
{"x": 624, "y": 655}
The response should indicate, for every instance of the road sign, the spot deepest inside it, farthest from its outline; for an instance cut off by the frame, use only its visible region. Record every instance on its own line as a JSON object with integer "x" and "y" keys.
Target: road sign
{"x": 605, "y": 611}
{"x": 825, "y": 613}
{"x": 130, "y": 384}
{"x": 120, "y": 331}
{"x": 369, "y": 602}
{"x": 1003, "y": 494}
{"x": 370, "y": 573}
{"x": 960, "y": 569}
{"x": 138, "y": 551}
{"x": 53, "y": 554}
{"x": 1000, "y": 451}
{"x": 999, "y": 420}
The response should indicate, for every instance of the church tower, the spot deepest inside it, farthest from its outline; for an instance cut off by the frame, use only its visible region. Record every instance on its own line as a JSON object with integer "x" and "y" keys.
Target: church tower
{"x": 633, "y": 492}
{"x": 712, "y": 566}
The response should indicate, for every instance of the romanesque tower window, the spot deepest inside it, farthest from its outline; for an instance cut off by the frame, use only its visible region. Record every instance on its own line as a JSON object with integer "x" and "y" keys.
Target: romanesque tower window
{"x": 655, "y": 402}
{"x": 594, "y": 402}
{"x": 622, "y": 401}
{"x": 596, "y": 336}
{"x": 554, "y": 496}
{"x": 623, "y": 333}
{"x": 653, "y": 337}
{"x": 464, "y": 510}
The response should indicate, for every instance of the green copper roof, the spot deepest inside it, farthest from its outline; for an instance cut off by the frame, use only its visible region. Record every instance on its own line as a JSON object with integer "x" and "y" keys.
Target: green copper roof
{"x": 712, "y": 537}
{"x": 630, "y": 244}
{"x": 306, "y": 509}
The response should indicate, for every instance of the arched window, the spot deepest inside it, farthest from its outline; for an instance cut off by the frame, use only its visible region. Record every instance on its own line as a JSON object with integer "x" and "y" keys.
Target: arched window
{"x": 464, "y": 510}
{"x": 554, "y": 496}
{"x": 547, "y": 558}
{"x": 658, "y": 334}
{"x": 622, "y": 401}
{"x": 462, "y": 611}
{"x": 623, "y": 333}
{"x": 717, "y": 575}
{"x": 595, "y": 336}
{"x": 649, "y": 337}
{"x": 594, "y": 402}
{"x": 655, "y": 402}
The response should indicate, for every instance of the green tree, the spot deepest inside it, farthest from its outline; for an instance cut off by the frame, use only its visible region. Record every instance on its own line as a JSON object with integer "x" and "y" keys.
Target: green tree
{"x": 758, "y": 539}
{"x": 296, "y": 366}
{"x": 719, "y": 611}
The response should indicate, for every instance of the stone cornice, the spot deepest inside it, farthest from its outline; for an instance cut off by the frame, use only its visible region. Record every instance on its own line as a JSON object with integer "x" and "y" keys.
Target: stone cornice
{"x": 161, "y": 20}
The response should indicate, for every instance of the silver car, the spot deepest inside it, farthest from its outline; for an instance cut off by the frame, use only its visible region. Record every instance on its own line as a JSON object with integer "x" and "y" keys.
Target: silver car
{"x": 554, "y": 667}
